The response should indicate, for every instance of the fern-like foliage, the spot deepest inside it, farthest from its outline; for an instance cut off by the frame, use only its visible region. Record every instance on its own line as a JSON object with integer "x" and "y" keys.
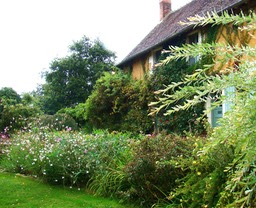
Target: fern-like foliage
{"x": 223, "y": 173}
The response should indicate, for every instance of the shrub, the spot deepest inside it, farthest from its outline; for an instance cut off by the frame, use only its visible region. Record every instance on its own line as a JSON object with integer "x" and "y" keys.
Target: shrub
{"x": 153, "y": 172}
{"x": 114, "y": 153}
{"x": 17, "y": 116}
{"x": 205, "y": 178}
{"x": 77, "y": 113}
{"x": 119, "y": 103}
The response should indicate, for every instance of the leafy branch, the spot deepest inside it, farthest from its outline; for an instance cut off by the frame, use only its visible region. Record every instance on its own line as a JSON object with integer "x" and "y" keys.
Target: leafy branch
{"x": 196, "y": 88}
{"x": 225, "y": 18}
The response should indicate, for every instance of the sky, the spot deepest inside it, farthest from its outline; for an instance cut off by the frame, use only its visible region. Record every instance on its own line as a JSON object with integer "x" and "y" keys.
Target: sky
{"x": 35, "y": 32}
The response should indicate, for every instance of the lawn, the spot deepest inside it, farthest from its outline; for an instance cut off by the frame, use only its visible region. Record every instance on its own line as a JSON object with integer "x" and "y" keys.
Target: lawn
{"x": 20, "y": 191}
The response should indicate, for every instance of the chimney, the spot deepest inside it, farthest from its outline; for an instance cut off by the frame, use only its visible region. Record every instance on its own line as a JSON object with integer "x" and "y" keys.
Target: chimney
{"x": 165, "y": 8}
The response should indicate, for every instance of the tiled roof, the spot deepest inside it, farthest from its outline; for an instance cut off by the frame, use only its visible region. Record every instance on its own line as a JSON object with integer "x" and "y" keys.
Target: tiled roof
{"x": 169, "y": 27}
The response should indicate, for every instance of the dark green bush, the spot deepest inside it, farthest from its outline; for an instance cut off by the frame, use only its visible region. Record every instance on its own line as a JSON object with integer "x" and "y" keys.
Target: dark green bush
{"x": 119, "y": 103}
{"x": 9, "y": 95}
{"x": 154, "y": 170}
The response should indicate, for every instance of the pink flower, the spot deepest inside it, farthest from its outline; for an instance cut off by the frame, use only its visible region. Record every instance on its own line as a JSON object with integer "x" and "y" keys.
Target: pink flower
{"x": 68, "y": 128}
{"x": 58, "y": 139}
{"x": 85, "y": 151}
{"x": 6, "y": 129}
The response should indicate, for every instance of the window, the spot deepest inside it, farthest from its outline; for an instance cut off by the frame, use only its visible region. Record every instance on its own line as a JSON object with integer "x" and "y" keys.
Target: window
{"x": 154, "y": 59}
{"x": 194, "y": 38}
{"x": 219, "y": 111}
{"x": 157, "y": 55}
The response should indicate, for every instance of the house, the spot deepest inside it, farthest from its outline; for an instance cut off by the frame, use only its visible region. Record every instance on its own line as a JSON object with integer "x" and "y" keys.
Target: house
{"x": 142, "y": 58}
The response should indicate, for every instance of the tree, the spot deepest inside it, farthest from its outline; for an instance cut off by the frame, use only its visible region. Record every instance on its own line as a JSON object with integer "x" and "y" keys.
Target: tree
{"x": 71, "y": 79}
{"x": 15, "y": 110}
{"x": 222, "y": 173}
{"x": 9, "y": 95}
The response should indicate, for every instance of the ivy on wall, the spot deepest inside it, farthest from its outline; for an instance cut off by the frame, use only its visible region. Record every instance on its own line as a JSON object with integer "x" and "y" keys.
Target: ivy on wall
{"x": 191, "y": 120}
{"x": 183, "y": 121}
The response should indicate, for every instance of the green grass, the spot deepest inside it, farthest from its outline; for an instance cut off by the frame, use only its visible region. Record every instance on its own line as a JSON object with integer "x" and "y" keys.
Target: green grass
{"x": 19, "y": 191}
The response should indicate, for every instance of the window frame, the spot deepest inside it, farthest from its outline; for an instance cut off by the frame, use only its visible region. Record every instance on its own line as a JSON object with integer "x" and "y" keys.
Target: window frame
{"x": 199, "y": 41}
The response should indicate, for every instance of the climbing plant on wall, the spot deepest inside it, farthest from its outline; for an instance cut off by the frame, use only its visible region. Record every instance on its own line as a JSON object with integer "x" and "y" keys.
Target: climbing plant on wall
{"x": 174, "y": 71}
{"x": 182, "y": 121}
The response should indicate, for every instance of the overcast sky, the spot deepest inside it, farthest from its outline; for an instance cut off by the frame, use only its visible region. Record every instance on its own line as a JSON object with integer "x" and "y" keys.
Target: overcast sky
{"x": 34, "y": 32}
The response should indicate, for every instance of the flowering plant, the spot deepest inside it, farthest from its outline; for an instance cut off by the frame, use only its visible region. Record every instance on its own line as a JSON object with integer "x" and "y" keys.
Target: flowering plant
{"x": 64, "y": 157}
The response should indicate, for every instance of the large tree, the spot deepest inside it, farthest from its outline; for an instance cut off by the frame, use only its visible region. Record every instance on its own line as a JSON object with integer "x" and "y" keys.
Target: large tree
{"x": 71, "y": 79}
{"x": 9, "y": 95}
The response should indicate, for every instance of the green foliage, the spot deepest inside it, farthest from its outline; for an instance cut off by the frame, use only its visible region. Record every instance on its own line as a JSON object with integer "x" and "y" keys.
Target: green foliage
{"x": 216, "y": 171}
{"x": 193, "y": 89}
{"x": 154, "y": 170}
{"x": 240, "y": 189}
{"x": 225, "y": 18}
{"x": 17, "y": 116}
{"x": 71, "y": 79}
{"x": 55, "y": 122}
{"x": 67, "y": 157}
{"x": 223, "y": 174}
{"x": 15, "y": 111}
{"x": 205, "y": 179}
{"x": 76, "y": 113}
{"x": 173, "y": 71}
{"x": 9, "y": 95}
{"x": 179, "y": 122}
{"x": 28, "y": 99}
{"x": 114, "y": 153}
{"x": 119, "y": 103}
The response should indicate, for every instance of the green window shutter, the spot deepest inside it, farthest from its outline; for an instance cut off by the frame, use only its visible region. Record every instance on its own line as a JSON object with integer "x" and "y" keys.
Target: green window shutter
{"x": 217, "y": 113}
